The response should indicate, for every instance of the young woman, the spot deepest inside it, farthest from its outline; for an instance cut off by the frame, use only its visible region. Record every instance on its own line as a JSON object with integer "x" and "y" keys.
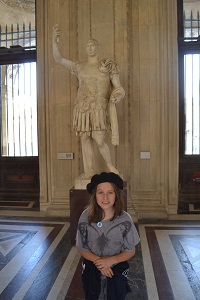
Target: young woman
{"x": 106, "y": 239}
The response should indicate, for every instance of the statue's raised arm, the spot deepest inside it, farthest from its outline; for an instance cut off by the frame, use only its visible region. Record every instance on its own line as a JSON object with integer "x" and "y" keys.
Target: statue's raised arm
{"x": 56, "y": 51}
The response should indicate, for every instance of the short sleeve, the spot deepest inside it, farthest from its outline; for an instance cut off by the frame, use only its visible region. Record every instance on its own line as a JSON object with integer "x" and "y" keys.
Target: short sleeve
{"x": 108, "y": 66}
{"x": 81, "y": 234}
{"x": 131, "y": 237}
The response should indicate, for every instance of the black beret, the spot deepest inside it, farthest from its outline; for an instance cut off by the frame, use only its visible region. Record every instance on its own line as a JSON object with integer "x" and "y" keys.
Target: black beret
{"x": 104, "y": 177}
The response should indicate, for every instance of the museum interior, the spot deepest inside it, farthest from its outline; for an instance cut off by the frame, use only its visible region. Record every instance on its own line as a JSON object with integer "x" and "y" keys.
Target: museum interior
{"x": 148, "y": 88}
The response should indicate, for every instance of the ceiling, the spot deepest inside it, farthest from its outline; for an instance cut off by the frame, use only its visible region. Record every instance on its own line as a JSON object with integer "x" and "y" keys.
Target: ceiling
{"x": 20, "y": 5}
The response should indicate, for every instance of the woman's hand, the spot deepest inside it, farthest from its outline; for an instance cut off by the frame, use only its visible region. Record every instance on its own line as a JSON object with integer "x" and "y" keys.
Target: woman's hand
{"x": 108, "y": 272}
{"x": 104, "y": 265}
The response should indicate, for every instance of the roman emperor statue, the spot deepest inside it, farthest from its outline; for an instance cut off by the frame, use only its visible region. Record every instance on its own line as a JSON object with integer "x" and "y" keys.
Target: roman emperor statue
{"x": 94, "y": 109}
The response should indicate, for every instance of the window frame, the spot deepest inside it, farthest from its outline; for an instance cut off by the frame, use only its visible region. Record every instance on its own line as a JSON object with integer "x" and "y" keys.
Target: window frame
{"x": 184, "y": 47}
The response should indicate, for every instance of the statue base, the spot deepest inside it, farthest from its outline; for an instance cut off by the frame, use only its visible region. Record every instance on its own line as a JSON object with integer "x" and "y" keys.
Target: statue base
{"x": 80, "y": 184}
{"x": 79, "y": 199}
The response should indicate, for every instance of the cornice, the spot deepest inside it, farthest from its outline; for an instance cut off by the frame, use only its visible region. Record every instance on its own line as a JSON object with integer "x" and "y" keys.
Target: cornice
{"x": 20, "y": 5}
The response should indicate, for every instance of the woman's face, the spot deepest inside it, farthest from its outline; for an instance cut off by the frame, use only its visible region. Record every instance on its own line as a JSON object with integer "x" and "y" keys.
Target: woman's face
{"x": 105, "y": 196}
{"x": 92, "y": 48}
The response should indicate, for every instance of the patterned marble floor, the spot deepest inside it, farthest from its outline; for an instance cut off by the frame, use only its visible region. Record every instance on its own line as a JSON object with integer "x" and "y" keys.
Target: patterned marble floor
{"x": 37, "y": 261}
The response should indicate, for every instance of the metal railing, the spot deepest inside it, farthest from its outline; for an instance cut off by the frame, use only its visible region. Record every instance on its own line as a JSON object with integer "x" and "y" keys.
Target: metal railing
{"x": 17, "y": 35}
{"x": 191, "y": 26}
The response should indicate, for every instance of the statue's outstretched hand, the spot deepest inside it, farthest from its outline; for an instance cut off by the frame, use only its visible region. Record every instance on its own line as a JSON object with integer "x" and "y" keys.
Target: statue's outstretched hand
{"x": 56, "y": 33}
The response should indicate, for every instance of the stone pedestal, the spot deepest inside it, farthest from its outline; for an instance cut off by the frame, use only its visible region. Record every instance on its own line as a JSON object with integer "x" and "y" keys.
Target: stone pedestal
{"x": 80, "y": 184}
{"x": 78, "y": 201}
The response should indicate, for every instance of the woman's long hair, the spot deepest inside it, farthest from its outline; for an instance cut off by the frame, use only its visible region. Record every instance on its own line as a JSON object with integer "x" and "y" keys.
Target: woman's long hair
{"x": 96, "y": 213}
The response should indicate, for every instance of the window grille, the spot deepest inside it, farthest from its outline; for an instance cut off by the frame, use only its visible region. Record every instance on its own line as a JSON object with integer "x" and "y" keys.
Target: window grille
{"x": 191, "y": 25}
{"x": 18, "y": 92}
{"x": 17, "y": 36}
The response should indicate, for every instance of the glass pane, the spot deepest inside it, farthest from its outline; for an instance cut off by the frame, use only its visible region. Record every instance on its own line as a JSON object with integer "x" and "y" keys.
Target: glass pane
{"x": 19, "y": 110}
{"x": 191, "y": 10}
{"x": 192, "y": 103}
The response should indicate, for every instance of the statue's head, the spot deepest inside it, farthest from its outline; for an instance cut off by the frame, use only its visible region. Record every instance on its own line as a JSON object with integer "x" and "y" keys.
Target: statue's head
{"x": 92, "y": 47}
{"x": 93, "y": 41}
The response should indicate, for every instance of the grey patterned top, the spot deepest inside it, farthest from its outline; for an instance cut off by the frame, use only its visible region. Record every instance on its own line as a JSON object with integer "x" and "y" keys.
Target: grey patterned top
{"x": 110, "y": 239}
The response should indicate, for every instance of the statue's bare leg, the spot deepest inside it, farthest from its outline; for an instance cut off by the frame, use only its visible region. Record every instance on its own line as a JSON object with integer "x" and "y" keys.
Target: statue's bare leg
{"x": 99, "y": 137}
{"x": 88, "y": 157}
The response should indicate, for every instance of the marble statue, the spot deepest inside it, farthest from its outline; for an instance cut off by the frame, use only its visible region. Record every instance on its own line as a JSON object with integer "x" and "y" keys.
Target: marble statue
{"x": 94, "y": 109}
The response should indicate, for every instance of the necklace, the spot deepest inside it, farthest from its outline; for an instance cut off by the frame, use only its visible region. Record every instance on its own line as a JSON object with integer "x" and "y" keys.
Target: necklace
{"x": 99, "y": 224}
